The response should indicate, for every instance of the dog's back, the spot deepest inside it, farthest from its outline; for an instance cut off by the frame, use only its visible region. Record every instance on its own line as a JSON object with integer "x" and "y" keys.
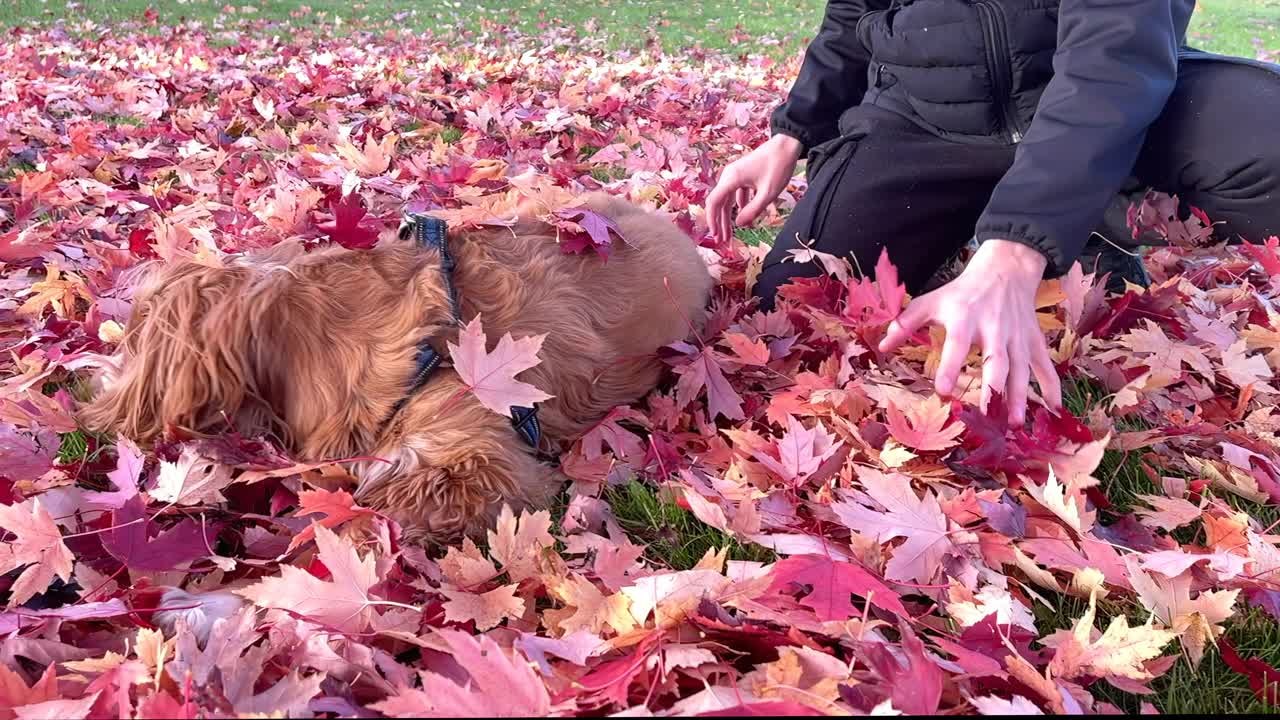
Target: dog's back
{"x": 655, "y": 283}
{"x": 605, "y": 320}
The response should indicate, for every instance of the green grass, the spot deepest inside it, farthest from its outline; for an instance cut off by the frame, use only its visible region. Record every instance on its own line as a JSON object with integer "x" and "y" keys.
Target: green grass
{"x": 74, "y": 447}
{"x": 1214, "y": 688}
{"x": 14, "y": 169}
{"x": 769, "y": 25}
{"x": 451, "y": 134}
{"x": 674, "y": 536}
{"x": 1238, "y": 27}
{"x": 609, "y": 173}
{"x": 1120, "y": 472}
{"x": 115, "y": 120}
{"x": 756, "y": 235}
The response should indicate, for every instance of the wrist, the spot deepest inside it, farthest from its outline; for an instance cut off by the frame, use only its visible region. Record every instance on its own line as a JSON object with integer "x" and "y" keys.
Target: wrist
{"x": 791, "y": 147}
{"x": 1011, "y": 256}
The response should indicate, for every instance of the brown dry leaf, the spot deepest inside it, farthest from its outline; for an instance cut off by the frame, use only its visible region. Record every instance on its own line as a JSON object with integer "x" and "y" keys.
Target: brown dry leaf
{"x": 1195, "y": 622}
{"x": 37, "y": 544}
{"x": 467, "y": 567}
{"x": 373, "y": 159}
{"x": 58, "y": 290}
{"x": 1169, "y": 513}
{"x": 486, "y": 610}
{"x": 924, "y": 426}
{"x": 588, "y": 608}
{"x": 518, "y": 545}
{"x": 192, "y": 480}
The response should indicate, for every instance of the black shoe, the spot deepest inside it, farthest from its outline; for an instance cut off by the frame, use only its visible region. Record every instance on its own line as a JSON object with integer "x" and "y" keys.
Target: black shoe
{"x": 1124, "y": 266}
{"x": 1111, "y": 248}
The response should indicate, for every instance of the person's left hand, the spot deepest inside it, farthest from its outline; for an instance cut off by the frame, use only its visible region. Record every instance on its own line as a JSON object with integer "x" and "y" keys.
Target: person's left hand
{"x": 992, "y": 304}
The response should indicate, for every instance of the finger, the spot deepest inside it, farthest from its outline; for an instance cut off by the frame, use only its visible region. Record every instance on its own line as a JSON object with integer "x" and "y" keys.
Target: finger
{"x": 1046, "y": 374}
{"x": 995, "y": 374}
{"x": 744, "y": 199}
{"x": 954, "y": 351}
{"x": 1019, "y": 382}
{"x": 726, "y": 223}
{"x": 914, "y": 316}
{"x": 718, "y": 204}
{"x": 715, "y": 200}
{"x": 760, "y": 200}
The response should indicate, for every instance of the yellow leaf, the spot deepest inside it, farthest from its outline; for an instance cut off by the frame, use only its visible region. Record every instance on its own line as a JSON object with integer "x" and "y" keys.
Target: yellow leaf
{"x": 110, "y": 332}
{"x": 1087, "y": 581}
{"x": 588, "y": 608}
{"x": 54, "y": 291}
{"x": 518, "y": 544}
{"x": 1066, "y": 503}
{"x": 894, "y": 456}
{"x": 1121, "y": 651}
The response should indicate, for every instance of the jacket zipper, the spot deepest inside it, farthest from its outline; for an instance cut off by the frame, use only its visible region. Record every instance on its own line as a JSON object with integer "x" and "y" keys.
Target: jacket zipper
{"x": 1000, "y": 65}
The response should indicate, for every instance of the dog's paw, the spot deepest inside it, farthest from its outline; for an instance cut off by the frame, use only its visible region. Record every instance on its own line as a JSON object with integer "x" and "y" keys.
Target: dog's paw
{"x": 199, "y": 611}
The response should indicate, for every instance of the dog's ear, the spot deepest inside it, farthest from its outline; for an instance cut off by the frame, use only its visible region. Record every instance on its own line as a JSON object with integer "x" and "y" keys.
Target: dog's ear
{"x": 184, "y": 360}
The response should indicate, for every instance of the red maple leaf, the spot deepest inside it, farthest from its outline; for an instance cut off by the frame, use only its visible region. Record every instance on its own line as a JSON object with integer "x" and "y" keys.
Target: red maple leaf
{"x": 875, "y": 302}
{"x": 833, "y": 583}
{"x": 346, "y": 228}
{"x": 140, "y": 243}
{"x": 336, "y": 506}
{"x": 914, "y": 681}
{"x": 1263, "y": 678}
{"x": 1265, "y": 254}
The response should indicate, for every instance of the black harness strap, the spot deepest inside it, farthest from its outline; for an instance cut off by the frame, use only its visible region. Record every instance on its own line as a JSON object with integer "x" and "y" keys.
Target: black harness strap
{"x": 432, "y": 232}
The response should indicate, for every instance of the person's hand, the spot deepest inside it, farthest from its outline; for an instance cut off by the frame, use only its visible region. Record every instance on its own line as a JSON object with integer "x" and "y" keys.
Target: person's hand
{"x": 751, "y": 182}
{"x": 992, "y": 304}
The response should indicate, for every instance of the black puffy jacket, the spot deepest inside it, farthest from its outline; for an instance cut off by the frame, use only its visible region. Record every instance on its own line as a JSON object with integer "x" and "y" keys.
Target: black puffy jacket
{"x": 1074, "y": 83}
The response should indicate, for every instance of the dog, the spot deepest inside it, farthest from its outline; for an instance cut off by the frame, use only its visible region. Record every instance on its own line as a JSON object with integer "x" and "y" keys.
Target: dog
{"x": 319, "y": 350}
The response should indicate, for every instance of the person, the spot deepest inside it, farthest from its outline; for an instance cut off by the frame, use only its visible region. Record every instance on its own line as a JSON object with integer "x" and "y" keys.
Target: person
{"x": 1026, "y": 125}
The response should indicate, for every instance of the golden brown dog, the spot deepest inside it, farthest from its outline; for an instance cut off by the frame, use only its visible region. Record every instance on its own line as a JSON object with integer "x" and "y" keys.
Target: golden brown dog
{"x": 318, "y": 348}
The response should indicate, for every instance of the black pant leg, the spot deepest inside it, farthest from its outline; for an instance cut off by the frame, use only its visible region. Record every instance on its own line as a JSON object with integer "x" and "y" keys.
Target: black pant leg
{"x": 887, "y": 183}
{"x": 1217, "y": 144}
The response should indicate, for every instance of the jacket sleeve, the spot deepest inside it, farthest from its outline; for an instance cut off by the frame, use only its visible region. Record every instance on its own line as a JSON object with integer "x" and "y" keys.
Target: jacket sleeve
{"x": 833, "y": 76}
{"x": 1114, "y": 68}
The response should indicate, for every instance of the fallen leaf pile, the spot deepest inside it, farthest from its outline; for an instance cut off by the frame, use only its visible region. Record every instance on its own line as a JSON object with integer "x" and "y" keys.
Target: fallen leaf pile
{"x": 913, "y": 538}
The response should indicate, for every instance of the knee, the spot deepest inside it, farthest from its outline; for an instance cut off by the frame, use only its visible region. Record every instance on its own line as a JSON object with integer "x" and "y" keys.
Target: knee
{"x": 1246, "y": 200}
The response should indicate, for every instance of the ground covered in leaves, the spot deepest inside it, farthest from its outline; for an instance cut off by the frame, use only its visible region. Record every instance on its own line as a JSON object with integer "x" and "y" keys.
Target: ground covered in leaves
{"x": 794, "y": 522}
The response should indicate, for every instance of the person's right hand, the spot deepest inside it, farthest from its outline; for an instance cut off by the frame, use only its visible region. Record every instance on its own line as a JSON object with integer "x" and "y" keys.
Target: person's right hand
{"x": 751, "y": 182}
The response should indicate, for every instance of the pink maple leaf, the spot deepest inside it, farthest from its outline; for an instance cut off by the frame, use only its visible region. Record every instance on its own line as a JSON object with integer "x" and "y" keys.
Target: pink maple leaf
{"x": 707, "y": 372}
{"x": 491, "y": 376}
{"x": 833, "y": 584}
{"x": 585, "y": 230}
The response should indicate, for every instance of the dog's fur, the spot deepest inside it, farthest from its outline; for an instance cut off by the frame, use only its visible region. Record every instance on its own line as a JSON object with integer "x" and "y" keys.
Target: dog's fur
{"x": 317, "y": 348}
